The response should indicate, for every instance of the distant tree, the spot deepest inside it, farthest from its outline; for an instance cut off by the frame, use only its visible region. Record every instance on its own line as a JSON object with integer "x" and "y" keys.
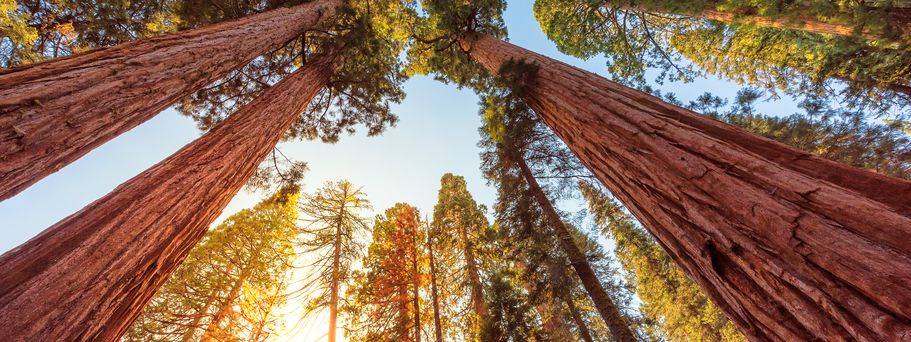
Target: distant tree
{"x": 333, "y": 226}
{"x": 510, "y": 318}
{"x": 231, "y": 284}
{"x": 384, "y": 301}
{"x": 459, "y": 223}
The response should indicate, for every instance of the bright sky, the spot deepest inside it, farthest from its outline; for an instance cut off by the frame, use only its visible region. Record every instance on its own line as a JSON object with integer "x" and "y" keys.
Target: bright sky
{"x": 437, "y": 134}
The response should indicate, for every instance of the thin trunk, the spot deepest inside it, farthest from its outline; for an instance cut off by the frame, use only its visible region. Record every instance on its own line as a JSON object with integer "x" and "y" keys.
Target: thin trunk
{"x": 789, "y": 245}
{"x": 619, "y": 328}
{"x": 474, "y": 277}
{"x": 437, "y": 327}
{"x": 191, "y": 329}
{"x": 89, "y": 276}
{"x": 416, "y": 281}
{"x": 226, "y": 307}
{"x": 54, "y": 112}
{"x": 577, "y": 318}
{"x": 336, "y": 264}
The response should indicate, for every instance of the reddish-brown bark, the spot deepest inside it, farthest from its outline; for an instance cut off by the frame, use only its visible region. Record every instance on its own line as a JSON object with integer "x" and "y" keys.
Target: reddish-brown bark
{"x": 474, "y": 275}
{"x": 88, "y": 276}
{"x": 790, "y": 246}
{"x": 615, "y": 321}
{"x": 55, "y": 112}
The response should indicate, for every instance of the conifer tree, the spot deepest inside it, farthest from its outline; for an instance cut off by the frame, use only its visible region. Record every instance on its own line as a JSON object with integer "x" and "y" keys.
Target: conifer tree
{"x": 459, "y": 223}
{"x": 384, "y": 302}
{"x": 744, "y": 216}
{"x": 333, "y": 225}
{"x": 230, "y": 285}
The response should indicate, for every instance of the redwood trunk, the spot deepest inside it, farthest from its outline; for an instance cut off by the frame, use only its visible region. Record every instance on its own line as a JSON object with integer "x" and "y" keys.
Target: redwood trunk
{"x": 618, "y": 326}
{"x": 226, "y": 307}
{"x": 416, "y": 283}
{"x": 437, "y": 327}
{"x": 55, "y": 112}
{"x": 89, "y": 276}
{"x": 790, "y": 246}
{"x": 574, "y": 312}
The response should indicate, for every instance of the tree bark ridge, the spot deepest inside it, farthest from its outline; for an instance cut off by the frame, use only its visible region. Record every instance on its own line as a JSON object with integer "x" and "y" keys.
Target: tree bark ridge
{"x": 89, "y": 276}
{"x": 54, "y": 112}
{"x": 788, "y": 245}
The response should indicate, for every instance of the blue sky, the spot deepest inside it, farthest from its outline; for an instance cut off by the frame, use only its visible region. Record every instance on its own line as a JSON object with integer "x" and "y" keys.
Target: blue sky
{"x": 437, "y": 133}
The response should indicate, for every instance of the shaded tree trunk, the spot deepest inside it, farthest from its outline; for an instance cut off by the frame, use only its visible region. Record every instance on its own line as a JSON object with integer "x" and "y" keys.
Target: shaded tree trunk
{"x": 416, "y": 279}
{"x": 788, "y": 245}
{"x": 619, "y": 328}
{"x": 474, "y": 276}
{"x": 89, "y": 276}
{"x": 54, "y": 112}
{"x": 577, "y": 318}
{"x": 437, "y": 327}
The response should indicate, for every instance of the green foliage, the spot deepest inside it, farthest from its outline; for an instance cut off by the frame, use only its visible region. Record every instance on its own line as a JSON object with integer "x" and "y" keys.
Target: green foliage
{"x": 233, "y": 284}
{"x": 33, "y": 30}
{"x": 511, "y": 317}
{"x": 670, "y": 37}
{"x": 462, "y": 244}
{"x": 437, "y": 49}
{"x": 366, "y": 38}
{"x": 676, "y": 305}
{"x": 835, "y": 134}
{"x": 17, "y": 38}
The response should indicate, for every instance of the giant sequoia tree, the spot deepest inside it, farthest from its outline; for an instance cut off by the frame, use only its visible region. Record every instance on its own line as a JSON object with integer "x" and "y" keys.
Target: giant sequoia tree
{"x": 790, "y": 246}
{"x": 89, "y": 275}
{"x": 54, "y": 112}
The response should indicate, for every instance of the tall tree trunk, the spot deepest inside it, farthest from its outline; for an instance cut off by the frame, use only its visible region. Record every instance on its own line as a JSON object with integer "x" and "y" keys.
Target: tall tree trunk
{"x": 89, "y": 276}
{"x": 55, "y": 112}
{"x": 619, "y": 328}
{"x": 336, "y": 264}
{"x": 416, "y": 283}
{"x": 577, "y": 318}
{"x": 437, "y": 327}
{"x": 474, "y": 277}
{"x": 789, "y": 245}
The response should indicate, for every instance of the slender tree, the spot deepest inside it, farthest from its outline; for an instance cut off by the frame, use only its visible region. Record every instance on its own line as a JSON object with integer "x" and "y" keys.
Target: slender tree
{"x": 54, "y": 112}
{"x": 229, "y": 283}
{"x": 333, "y": 225}
{"x": 459, "y": 217}
{"x": 434, "y": 292}
{"x": 746, "y": 217}
{"x": 113, "y": 257}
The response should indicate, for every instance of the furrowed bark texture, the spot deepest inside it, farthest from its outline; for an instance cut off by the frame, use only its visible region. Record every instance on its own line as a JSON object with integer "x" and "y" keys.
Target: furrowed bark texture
{"x": 790, "y": 246}
{"x": 89, "y": 276}
{"x": 618, "y": 326}
{"x": 55, "y": 112}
